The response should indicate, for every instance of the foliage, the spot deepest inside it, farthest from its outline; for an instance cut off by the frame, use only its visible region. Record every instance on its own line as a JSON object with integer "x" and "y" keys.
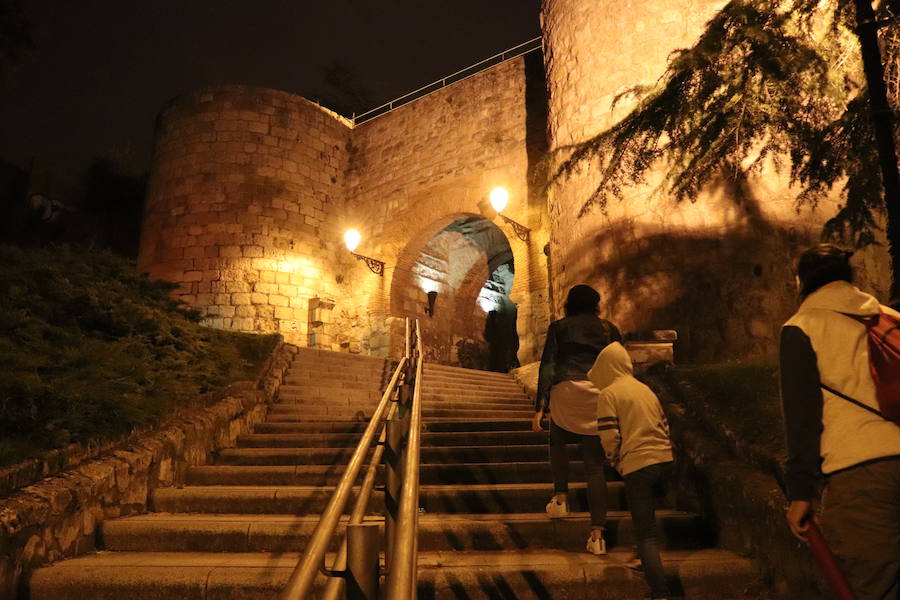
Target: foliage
{"x": 743, "y": 399}
{"x": 768, "y": 80}
{"x": 90, "y": 349}
{"x": 14, "y": 36}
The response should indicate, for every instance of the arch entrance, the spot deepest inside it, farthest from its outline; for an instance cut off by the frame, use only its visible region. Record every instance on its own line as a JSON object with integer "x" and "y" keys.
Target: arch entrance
{"x": 465, "y": 261}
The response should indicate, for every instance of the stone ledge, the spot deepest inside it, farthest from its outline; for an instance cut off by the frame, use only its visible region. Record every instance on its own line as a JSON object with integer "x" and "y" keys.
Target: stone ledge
{"x": 57, "y": 517}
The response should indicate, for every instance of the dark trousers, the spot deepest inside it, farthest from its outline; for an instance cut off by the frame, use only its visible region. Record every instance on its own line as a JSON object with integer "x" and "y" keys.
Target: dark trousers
{"x": 861, "y": 521}
{"x": 641, "y": 487}
{"x": 594, "y": 458}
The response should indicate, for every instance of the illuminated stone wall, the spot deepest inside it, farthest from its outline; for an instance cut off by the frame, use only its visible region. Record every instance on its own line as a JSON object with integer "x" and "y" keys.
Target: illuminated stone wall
{"x": 251, "y": 190}
{"x": 416, "y": 170}
{"x": 244, "y": 186}
{"x": 718, "y": 270}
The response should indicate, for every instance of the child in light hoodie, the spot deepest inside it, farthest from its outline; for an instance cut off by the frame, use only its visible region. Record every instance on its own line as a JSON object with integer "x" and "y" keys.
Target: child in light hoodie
{"x": 635, "y": 436}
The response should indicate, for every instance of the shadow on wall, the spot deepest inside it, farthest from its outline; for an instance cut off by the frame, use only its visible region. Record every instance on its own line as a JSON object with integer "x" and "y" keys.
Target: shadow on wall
{"x": 726, "y": 294}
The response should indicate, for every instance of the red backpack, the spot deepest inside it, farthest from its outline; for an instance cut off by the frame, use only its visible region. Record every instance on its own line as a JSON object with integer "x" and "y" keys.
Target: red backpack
{"x": 884, "y": 363}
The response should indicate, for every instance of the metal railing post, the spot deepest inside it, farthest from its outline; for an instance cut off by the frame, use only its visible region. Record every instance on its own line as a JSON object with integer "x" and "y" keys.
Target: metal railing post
{"x": 393, "y": 480}
{"x": 363, "y": 541}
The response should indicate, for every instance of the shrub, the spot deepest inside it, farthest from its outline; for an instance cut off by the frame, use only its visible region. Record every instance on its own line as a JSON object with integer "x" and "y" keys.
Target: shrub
{"x": 90, "y": 349}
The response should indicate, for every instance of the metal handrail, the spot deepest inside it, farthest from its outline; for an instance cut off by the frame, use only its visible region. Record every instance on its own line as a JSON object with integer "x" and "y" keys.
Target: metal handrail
{"x": 508, "y": 54}
{"x": 336, "y": 584}
{"x": 301, "y": 579}
{"x": 401, "y": 579}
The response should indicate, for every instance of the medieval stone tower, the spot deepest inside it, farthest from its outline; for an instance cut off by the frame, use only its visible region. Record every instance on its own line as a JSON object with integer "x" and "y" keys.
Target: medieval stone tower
{"x": 251, "y": 191}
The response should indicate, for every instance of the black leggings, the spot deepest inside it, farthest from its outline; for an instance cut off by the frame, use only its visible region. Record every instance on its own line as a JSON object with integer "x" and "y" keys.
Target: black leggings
{"x": 594, "y": 459}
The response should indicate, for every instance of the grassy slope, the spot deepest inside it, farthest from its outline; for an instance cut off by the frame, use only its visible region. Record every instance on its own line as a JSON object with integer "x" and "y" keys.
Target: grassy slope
{"x": 743, "y": 398}
{"x": 89, "y": 350}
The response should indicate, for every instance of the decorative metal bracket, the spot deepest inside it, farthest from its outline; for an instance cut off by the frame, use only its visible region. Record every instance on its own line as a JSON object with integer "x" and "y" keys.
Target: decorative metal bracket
{"x": 521, "y": 231}
{"x": 376, "y": 266}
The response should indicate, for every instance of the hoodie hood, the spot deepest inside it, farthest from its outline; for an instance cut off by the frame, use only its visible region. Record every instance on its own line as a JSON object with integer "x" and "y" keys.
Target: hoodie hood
{"x": 843, "y": 297}
{"x": 612, "y": 363}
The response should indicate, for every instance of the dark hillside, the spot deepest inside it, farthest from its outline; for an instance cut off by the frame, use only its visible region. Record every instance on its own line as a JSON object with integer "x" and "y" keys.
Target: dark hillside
{"x": 90, "y": 349}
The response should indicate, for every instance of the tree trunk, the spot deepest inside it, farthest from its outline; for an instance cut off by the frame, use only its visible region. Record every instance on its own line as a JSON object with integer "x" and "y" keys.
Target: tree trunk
{"x": 883, "y": 123}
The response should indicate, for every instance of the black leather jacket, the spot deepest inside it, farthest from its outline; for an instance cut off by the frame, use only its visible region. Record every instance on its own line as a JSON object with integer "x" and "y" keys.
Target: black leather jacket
{"x": 572, "y": 346}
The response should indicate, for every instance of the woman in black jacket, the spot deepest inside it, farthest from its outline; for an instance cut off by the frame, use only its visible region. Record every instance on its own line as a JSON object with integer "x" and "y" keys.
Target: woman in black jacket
{"x": 565, "y": 392}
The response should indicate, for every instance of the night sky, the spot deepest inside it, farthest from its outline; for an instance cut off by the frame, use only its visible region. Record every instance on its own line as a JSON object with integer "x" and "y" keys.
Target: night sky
{"x": 100, "y": 70}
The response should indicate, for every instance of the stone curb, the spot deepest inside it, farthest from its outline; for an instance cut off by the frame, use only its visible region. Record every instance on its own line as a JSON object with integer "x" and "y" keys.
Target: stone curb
{"x": 57, "y": 517}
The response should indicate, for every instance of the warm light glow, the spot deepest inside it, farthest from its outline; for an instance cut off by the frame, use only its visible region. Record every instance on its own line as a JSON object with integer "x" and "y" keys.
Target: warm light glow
{"x": 428, "y": 285}
{"x": 499, "y": 197}
{"x": 352, "y": 239}
{"x": 487, "y": 304}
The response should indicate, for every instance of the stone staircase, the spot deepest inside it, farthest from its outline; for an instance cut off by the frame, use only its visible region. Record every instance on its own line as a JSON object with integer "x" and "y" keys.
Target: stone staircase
{"x": 237, "y": 528}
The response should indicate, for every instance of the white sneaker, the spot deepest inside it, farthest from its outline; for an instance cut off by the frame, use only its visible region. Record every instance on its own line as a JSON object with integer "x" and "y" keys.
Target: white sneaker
{"x": 557, "y": 509}
{"x": 596, "y": 546}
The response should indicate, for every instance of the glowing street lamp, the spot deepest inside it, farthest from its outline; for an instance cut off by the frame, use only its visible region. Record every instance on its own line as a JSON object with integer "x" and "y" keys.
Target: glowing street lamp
{"x": 351, "y": 240}
{"x": 499, "y": 197}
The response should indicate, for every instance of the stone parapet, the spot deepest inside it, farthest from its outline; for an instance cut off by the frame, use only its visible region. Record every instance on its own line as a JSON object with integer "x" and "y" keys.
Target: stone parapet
{"x": 58, "y": 517}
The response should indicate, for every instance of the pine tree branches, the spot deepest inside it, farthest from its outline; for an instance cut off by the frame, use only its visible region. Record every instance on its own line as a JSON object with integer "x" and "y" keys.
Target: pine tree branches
{"x": 766, "y": 81}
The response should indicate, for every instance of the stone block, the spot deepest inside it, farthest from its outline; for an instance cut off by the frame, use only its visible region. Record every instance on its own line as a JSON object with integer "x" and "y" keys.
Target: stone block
{"x": 242, "y": 298}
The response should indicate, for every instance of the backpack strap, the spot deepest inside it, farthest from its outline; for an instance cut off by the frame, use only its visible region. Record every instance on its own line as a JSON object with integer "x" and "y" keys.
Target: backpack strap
{"x": 851, "y": 400}
{"x": 869, "y": 322}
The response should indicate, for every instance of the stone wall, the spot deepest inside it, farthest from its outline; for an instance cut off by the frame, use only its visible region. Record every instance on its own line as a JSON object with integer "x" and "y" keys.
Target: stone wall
{"x": 252, "y": 189}
{"x": 244, "y": 185}
{"x": 414, "y": 171}
{"x": 58, "y": 517}
{"x": 719, "y": 269}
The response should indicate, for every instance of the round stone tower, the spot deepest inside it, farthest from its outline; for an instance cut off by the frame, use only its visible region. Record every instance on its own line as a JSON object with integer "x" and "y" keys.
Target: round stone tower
{"x": 718, "y": 269}
{"x": 239, "y": 210}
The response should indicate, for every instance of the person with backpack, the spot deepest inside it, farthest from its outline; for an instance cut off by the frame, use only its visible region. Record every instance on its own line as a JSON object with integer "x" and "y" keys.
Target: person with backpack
{"x": 564, "y": 392}
{"x": 635, "y": 435}
{"x": 839, "y": 369}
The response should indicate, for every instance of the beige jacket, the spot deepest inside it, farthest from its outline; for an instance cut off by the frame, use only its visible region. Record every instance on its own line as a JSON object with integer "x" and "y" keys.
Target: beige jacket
{"x": 630, "y": 420}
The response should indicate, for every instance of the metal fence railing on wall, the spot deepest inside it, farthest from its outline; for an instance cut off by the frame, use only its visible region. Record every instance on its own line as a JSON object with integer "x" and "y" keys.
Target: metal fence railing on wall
{"x": 509, "y": 54}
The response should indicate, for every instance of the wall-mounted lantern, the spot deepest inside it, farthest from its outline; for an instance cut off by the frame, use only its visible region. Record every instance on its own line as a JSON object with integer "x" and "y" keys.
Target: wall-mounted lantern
{"x": 352, "y": 239}
{"x": 499, "y": 197}
{"x": 432, "y": 297}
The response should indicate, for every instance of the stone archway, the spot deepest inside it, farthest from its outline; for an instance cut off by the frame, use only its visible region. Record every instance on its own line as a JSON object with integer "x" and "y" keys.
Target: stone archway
{"x": 468, "y": 261}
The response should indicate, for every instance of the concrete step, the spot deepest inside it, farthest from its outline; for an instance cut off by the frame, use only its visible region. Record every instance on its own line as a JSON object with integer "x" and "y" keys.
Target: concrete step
{"x": 326, "y": 407}
{"x": 469, "y": 379}
{"x": 431, "y": 455}
{"x": 329, "y": 385}
{"x": 351, "y": 413}
{"x": 472, "y": 402}
{"x": 436, "y": 369}
{"x": 434, "y": 393}
{"x": 709, "y": 574}
{"x": 322, "y": 407}
{"x": 179, "y": 532}
{"x": 336, "y": 372}
{"x": 340, "y": 440}
{"x": 312, "y": 377}
{"x": 519, "y": 472}
{"x": 325, "y": 423}
{"x": 473, "y": 498}
{"x": 487, "y": 424}
{"x": 459, "y": 385}
{"x": 316, "y": 427}
{"x": 299, "y": 393}
{"x": 542, "y": 574}
{"x": 347, "y": 416}
{"x": 495, "y": 379}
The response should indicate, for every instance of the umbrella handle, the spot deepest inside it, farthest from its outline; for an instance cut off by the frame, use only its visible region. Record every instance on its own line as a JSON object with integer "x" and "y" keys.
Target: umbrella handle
{"x": 822, "y": 553}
